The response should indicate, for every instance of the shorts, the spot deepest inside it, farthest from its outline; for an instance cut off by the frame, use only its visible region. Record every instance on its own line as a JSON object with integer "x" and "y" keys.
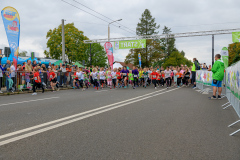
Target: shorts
{"x": 218, "y": 84}
{"x": 54, "y": 80}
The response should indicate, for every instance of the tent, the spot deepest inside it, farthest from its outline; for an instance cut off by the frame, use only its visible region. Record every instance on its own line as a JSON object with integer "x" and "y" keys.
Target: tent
{"x": 4, "y": 60}
{"x": 78, "y": 64}
{"x": 117, "y": 65}
{"x": 58, "y": 62}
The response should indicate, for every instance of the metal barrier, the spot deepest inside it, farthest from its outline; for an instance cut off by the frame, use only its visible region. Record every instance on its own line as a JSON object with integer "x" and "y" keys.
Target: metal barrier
{"x": 231, "y": 88}
{"x": 23, "y": 80}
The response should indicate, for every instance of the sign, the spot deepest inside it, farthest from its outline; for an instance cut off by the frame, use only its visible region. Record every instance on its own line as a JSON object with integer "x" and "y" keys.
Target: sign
{"x": 11, "y": 21}
{"x": 139, "y": 58}
{"x": 225, "y": 57}
{"x": 109, "y": 50}
{"x": 140, "y": 43}
{"x": 32, "y": 55}
{"x": 236, "y": 37}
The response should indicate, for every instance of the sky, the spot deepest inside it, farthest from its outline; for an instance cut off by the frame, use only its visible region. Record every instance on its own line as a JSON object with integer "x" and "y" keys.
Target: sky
{"x": 38, "y": 16}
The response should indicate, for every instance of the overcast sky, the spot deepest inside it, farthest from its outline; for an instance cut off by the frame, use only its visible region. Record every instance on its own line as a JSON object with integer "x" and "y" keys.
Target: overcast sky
{"x": 38, "y": 16}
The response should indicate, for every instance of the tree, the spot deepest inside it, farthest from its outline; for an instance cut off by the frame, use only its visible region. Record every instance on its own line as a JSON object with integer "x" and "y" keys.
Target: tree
{"x": 22, "y": 54}
{"x": 98, "y": 55}
{"x": 176, "y": 59}
{"x": 153, "y": 50}
{"x": 168, "y": 43}
{"x": 75, "y": 49}
{"x": 234, "y": 53}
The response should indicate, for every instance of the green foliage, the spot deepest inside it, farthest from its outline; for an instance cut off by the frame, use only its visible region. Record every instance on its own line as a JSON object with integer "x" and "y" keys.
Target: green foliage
{"x": 176, "y": 59}
{"x": 153, "y": 51}
{"x": 234, "y": 53}
{"x": 99, "y": 56}
{"x": 75, "y": 49}
{"x": 22, "y": 54}
{"x": 168, "y": 43}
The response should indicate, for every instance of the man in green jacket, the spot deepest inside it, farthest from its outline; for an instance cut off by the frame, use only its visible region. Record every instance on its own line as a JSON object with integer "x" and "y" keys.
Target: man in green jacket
{"x": 218, "y": 75}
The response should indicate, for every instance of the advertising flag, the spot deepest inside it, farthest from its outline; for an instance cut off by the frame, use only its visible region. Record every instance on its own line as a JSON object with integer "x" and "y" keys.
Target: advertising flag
{"x": 11, "y": 21}
{"x": 236, "y": 37}
{"x": 109, "y": 50}
{"x": 139, "y": 58}
{"x": 225, "y": 57}
{"x": 140, "y": 43}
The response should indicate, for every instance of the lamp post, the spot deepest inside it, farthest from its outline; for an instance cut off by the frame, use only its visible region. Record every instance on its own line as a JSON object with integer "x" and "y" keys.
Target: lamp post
{"x": 109, "y": 28}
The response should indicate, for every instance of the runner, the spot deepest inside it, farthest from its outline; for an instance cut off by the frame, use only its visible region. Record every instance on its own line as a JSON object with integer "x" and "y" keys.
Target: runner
{"x": 145, "y": 76}
{"x": 114, "y": 77}
{"x": 37, "y": 82}
{"x": 109, "y": 79}
{"x": 102, "y": 77}
{"x": 154, "y": 76}
{"x": 53, "y": 79}
{"x": 168, "y": 73}
{"x": 124, "y": 74}
{"x": 95, "y": 76}
{"x": 119, "y": 78}
{"x": 179, "y": 78}
{"x": 130, "y": 77}
{"x": 135, "y": 76}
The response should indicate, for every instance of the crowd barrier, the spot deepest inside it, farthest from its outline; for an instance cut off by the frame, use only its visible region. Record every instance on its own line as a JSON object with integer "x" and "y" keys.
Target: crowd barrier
{"x": 23, "y": 80}
{"x": 230, "y": 85}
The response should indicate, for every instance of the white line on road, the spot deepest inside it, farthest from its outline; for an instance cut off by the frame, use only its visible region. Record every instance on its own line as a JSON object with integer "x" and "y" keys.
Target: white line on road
{"x": 28, "y": 101}
{"x": 73, "y": 120}
{"x": 102, "y": 91}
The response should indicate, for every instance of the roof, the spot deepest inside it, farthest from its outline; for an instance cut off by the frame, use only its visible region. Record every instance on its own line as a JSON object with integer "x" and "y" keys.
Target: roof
{"x": 130, "y": 65}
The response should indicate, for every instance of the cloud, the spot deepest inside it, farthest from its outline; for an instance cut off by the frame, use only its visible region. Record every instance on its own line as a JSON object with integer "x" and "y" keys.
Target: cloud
{"x": 37, "y": 17}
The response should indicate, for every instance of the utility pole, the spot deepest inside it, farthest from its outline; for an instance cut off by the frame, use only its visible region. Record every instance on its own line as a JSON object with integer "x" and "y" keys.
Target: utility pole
{"x": 212, "y": 49}
{"x": 63, "y": 42}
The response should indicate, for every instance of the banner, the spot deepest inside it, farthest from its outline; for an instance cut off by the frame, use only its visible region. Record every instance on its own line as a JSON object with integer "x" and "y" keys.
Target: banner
{"x": 225, "y": 57}
{"x": 140, "y": 43}
{"x": 204, "y": 77}
{"x": 139, "y": 58}
{"x": 236, "y": 37}
{"x": 109, "y": 50}
{"x": 11, "y": 21}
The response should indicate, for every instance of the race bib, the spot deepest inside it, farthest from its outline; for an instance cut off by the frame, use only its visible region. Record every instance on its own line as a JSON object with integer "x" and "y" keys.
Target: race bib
{"x": 154, "y": 76}
{"x": 109, "y": 77}
{"x": 124, "y": 74}
{"x": 135, "y": 76}
{"x": 50, "y": 76}
{"x": 145, "y": 76}
{"x": 177, "y": 76}
{"x": 35, "y": 78}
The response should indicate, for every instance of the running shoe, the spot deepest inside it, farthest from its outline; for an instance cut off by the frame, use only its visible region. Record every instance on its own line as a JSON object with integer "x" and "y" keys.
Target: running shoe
{"x": 219, "y": 97}
{"x": 155, "y": 87}
{"x": 34, "y": 94}
{"x": 133, "y": 87}
{"x": 1, "y": 92}
{"x": 213, "y": 97}
{"x": 125, "y": 87}
{"x": 97, "y": 88}
{"x": 167, "y": 87}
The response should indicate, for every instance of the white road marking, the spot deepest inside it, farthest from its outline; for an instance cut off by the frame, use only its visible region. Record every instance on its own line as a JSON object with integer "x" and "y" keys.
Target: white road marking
{"x": 102, "y": 91}
{"x": 140, "y": 98}
{"x": 69, "y": 117}
{"x": 28, "y": 101}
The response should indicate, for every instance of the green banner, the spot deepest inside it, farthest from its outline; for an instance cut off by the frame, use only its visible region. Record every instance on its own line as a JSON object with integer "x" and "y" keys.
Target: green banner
{"x": 236, "y": 37}
{"x": 225, "y": 57}
{"x": 140, "y": 43}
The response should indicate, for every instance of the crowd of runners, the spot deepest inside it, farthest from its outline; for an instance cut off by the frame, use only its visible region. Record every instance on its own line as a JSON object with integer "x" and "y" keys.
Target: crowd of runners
{"x": 35, "y": 76}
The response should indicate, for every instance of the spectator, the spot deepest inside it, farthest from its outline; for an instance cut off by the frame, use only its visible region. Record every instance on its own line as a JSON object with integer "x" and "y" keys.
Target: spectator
{"x": 195, "y": 67}
{"x": 8, "y": 65}
{"x": 62, "y": 75}
{"x": 34, "y": 64}
{"x": 13, "y": 74}
{"x": 39, "y": 63}
{"x": 1, "y": 76}
{"x": 218, "y": 74}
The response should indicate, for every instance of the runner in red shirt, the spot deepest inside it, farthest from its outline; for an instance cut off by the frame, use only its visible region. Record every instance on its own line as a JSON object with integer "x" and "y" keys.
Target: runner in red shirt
{"x": 119, "y": 78}
{"x": 154, "y": 76}
{"x": 53, "y": 79}
{"x": 37, "y": 82}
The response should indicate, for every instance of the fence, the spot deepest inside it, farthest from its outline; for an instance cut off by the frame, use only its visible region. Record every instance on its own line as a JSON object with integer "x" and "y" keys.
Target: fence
{"x": 23, "y": 80}
{"x": 231, "y": 88}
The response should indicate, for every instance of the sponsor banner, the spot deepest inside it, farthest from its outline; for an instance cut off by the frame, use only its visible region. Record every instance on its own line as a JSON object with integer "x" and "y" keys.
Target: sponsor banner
{"x": 131, "y": 44}
{"x": 11, "y": 21}
{"x": 236, "y": 37}
{"x": 109, "y": 50}
{"x": 225, "y": 57}
{"x": 139, "y": 58}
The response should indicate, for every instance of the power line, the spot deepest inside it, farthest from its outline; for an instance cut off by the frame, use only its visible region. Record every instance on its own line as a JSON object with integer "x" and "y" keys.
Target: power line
{"x": 93, "y": 15}
{"x": 102, "y": 15}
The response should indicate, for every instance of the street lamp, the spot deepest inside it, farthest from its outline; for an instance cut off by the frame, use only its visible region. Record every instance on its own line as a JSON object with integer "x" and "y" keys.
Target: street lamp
{"x": 109, "y": 28}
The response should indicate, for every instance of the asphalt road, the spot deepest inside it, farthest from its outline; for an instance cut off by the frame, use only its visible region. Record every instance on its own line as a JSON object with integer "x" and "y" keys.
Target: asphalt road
{"x": 173, "y": 124}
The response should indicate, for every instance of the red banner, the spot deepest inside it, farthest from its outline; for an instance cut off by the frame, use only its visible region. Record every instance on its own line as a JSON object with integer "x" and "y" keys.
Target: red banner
{"x": 109, "y": 50}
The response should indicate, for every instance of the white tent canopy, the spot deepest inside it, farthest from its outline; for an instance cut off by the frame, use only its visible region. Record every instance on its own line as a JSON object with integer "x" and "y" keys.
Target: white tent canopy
{"x": 117, "y": 65}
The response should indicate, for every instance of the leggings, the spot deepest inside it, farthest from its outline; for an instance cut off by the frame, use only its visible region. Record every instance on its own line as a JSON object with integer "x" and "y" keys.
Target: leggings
{"x": 38, "y": 85}
{"x": 114, "y": 82}
{"x": 154, "y": 82}
{"x": 179, "y": 81}
{"x": 186, "y": 80}
{"x": 81, "y": 83}
{"x": 168, "y": 81}
{"x": 135, "y": 80}
{"x": 95, "y": 82}
{"x": 145, "y": 81}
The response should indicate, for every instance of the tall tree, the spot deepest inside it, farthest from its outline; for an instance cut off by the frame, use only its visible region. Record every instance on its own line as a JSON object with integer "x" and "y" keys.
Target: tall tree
{"x": 75, "y": 49}
{"x": 153, "y": 51}
{"x": 176, "y": 59}
{"x": 168, "y": 43}
{"x": 23, "y": 54}
{"x": 98, "y": 55}
{"x": 234, "y": 52}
